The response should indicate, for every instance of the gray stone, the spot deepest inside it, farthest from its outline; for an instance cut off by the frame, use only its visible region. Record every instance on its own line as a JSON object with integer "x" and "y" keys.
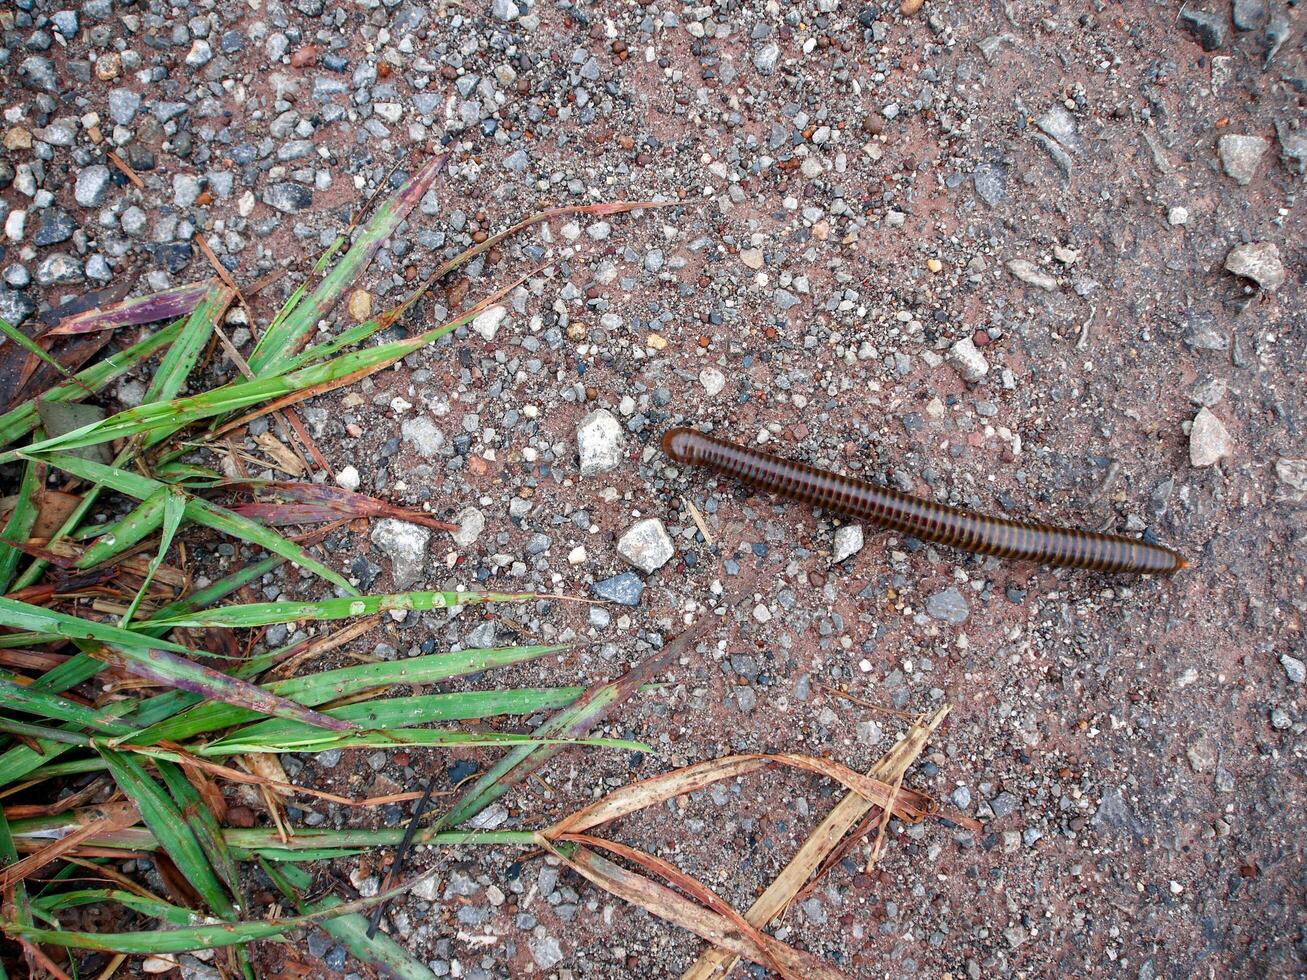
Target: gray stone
{"x": 1058, "y": 123}
{"x": 55, "y": 227}
{"x": 1293, "y": 147}
{"x": 15, "y": 306}
{"x": 517, "y": 161}
{"x": 421, "y": 433}
{"x": 624, "y": 589}
{"x": 1249, "y": 15}
{"x": 123, "y": 105}
{"x": 967, "y": 360}
{"x": 1293, "y": 474}
{"x": 1028, "y": 272}
{"x": 647, "y": 545}
{"x": 545, "y": 950}
{"x": 92, "y": 185}
{"x": 1004, "y": 804}
{"x": 961, "y": 797}
{"x": 471, "y": 522}
{"x": 599, "y": 442}
{"x": 1240, "y": 155}
{"x": 949, "y": 606}
{"x": 1293, "y": 668}
{"x": 288, "y": 198}
{"x": 406, "y": 546}
{"x": 848, "y": 542}
{"x": 991, "y": 182}
{"x": 766, "y": 58}
{"x": 1258, "y": 261}
{"x": 1209, "y": 441}
{"x": 713, "y": 381}
{"x": 486, "y": 324}
{"x": 1208, "y": 28}
{"x": 199, "y": 55}
{"x": 65, "y": 22}
{"x": 133, "y": 221}
{"x": 869, "y": 732}
{"x": 59, "y": 269}
{"x": 185, "y": 190}
{"x": 38, "y": 74}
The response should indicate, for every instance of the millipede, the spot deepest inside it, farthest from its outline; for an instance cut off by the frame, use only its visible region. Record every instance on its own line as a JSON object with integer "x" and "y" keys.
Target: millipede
{"x": 919, "y": 518}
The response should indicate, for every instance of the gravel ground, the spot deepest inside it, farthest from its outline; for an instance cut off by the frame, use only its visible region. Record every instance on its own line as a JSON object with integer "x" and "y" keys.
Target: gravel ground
{"x": 986, "y": 253}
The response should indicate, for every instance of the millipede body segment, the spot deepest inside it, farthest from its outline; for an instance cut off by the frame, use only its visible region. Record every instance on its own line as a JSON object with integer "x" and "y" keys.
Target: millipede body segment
{"x": 924, "y": 519}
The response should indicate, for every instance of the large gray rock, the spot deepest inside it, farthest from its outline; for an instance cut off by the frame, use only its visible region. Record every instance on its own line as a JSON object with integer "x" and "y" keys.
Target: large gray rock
{"x": 1258, "y": 261}
{"x": 1209, "y": 440}
{"x": 599, "y": 442}
{"x": 1240, "y": 155}
{"x": 406, "y": 546}
{"x": 647, "y": 545}
{"x": 967, "y": 360}
{"x": 92, "y": 185}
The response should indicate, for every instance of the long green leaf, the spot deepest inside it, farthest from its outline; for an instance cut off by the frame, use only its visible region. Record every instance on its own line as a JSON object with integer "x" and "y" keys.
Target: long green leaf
{"x": 197, "y": 510}
{"x": 22, "y": 419}
{"x": 153, "y": 907}
{"x": 421, "y": 709}
{"x": 172, "y": 831}
{"x": 330, "y": 685}
{"x": 204, "y": 825}
{"x": 379, "y": 951}
{"x": 20, "y": 524}
{"x": 180, "y": 359}
{"x": 126, "y": 533}
{"x": 408, "y": 738}
{"x": 196, "y": 937}
{"x": 269, "y": 613}
{"x": 285, "y": 337}
{"x": 174, "y": 508}
{"x": 31, "y": 701}
{"x": 29, "y": 345}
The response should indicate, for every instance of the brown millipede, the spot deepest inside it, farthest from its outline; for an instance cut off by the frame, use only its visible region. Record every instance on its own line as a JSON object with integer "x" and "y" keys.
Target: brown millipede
{"x": 919, "y": 518}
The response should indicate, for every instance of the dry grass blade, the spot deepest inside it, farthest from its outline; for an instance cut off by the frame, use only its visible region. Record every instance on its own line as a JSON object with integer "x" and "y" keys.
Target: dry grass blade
{"x": 95, "y": 822}
{"x": 673, "y": 907}
{"x": 810, "y": 857}
{"x": 910, "y": 805}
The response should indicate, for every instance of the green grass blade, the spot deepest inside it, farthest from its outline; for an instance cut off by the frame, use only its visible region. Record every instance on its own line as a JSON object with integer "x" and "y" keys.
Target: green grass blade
{"x": 195, "y": 937}
{"x": 351, "y": 931}
{"x": 174, "y": 508}
{"x": 204, "y": 825}
{"x": 152, "y": 907}
{"x": 20, "y": 524}
{"x": 9, "y": 856}
{"x": 418, "y": 710}
{"x": 23, "y": 616}
{"x": 330, "y": 685}
{"x": 407, "y": 739}
{"x": 19, "y": 697}
{"x": 280, "y": 342}
{"x": 22, "y": 419}
{"x": 29, "y": 345}
{"x": 575, "y": 720}
{"x": 269, "y": 613}
{"x": 199, "y": 511}
{"x": 127, "y": 532}
{"x": 170, "y": 829}
{"x": 182, "y": 355}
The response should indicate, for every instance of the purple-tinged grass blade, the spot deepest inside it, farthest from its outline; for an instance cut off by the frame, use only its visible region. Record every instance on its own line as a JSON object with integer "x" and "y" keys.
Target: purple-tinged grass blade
{"x": 165, "y": 305}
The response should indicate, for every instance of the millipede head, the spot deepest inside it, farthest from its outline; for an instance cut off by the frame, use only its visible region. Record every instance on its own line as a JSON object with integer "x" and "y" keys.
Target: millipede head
{"x": 679, "y": 444}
